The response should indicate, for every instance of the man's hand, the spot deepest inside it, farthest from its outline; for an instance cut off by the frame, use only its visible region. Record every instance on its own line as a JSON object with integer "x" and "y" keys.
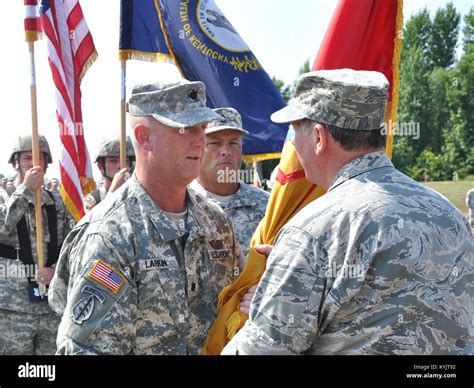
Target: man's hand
{"x": 246, "y": 299}
{"x": 34, "y": 178}
{"x": 119, "y": 179}
{"x": 44, "y": 275}
{"x": 264, "y": 249}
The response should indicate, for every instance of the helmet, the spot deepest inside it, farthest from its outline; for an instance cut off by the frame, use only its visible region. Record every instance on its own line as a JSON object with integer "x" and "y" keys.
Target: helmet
{"x": 111, "y": 147}
{"x": 23, "y": 143}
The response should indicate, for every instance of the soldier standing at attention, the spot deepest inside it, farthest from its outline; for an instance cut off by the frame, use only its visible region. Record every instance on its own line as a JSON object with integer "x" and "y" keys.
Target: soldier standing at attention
{"x": 219, "y": 177}
{"x": 141, "y": 273}
{"x": 27, "y": 323}
{"x": 380, "y": 264}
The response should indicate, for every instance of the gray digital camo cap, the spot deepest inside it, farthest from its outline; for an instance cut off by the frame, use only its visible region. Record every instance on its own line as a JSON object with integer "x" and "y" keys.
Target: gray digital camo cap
{"x": 176, "y": 104}
{"x": 231, "y": 120}
{"x": 345, "y": 98}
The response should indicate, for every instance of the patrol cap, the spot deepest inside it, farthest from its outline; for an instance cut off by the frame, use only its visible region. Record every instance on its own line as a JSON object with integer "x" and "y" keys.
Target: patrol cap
{"x": 232, "y": 120}
{"x": 177, "y": 104}
{"x": 344, "y": 98}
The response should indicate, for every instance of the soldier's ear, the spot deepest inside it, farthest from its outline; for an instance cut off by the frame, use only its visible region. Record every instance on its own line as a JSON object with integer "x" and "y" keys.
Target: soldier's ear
{"x": 319, "y": 138}
{"x": 142, "y": 135}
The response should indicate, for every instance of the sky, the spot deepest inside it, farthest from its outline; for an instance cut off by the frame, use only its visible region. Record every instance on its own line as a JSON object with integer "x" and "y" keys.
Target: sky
{"x": 281, "y": 36}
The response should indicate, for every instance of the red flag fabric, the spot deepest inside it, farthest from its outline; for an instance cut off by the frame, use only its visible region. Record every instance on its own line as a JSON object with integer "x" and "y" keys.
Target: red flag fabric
{"x": 71, "y": 51}
{"x": 366, "y": 35}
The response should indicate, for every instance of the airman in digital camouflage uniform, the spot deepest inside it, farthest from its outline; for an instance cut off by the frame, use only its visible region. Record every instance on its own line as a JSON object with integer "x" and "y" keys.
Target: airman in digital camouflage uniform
{"x": 378, "y": 265}
{"x": 108, "y": 162}
{"x": 141, "y": 273}
{"x": 218, "y": 177}
{"x": 27, "y": 323}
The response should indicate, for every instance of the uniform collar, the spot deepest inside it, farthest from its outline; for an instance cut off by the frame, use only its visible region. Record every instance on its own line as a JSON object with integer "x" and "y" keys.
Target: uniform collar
{"x": 242, "y": 197}
{"x": 162, "y": 223}
{"x": 360, "y": 165}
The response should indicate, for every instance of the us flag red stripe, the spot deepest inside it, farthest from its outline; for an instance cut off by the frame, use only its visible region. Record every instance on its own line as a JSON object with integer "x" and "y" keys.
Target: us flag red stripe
{"x": 32, "y": 22}
{"x": 71, "y": 51}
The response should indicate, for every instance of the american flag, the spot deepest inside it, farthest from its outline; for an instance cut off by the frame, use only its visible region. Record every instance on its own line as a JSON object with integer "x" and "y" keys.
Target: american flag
{"x": 32, "y": 22}
{"x": 105, "y": 275}
{"x": 71, "y": 51}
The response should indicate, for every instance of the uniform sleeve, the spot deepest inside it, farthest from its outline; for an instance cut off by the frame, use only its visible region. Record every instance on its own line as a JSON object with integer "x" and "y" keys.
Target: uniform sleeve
{"x": 239, "y": 260}
{"x": 65, "y": 221}
{"x": 14, "y": 209}
{"x": 99, "y": 312}
{"x": 284, "y": 311}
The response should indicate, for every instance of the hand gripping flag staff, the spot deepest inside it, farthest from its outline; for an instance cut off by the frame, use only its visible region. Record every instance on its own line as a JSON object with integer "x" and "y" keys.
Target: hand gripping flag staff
{"x": 198, "y": 38}
{"x": 362, "y": 35}
{"x": 33, "y": 33}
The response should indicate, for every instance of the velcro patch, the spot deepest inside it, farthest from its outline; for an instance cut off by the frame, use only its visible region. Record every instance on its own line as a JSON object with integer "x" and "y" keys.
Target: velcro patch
{"x": 83, "y": 309}
{"x": 164, "y": 263}
{"x": 105, "y": 275}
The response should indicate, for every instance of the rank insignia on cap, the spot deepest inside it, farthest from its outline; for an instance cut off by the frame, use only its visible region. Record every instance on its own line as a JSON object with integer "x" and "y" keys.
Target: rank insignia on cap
{"x": 193, "y": 95}
{"x": 106, "y": 276}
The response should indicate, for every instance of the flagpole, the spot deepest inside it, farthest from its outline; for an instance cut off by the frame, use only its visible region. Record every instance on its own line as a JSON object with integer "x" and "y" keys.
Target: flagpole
{"x": 123, "y": 134}
{"x": 36, "y": 162}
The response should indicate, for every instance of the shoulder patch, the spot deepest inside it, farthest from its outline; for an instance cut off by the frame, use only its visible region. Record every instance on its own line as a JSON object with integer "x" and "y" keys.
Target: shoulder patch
{"x": 105, "y": 275}
{"x": 82, "y": 310}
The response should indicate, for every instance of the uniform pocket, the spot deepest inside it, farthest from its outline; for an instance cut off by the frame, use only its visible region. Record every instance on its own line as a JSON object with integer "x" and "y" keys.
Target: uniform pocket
{"x": 158, "y": 287}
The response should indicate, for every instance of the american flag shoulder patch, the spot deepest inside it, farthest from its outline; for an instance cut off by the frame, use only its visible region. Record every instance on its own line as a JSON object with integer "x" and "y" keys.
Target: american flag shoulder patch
{"x": 107, "y": 276}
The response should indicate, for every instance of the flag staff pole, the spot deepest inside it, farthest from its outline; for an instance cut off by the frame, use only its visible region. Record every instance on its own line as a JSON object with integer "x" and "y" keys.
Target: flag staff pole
{"x": 123, "y": 135}
{"x": 36, "y": 161}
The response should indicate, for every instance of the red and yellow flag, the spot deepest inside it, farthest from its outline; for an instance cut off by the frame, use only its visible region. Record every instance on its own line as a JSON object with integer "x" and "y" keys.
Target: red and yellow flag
{"x": 362, "y": 35}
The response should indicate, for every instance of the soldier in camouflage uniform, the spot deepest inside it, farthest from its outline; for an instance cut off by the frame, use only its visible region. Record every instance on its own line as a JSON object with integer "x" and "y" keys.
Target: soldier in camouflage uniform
{"x": 27, "y": 323}
{"x": 141, "y": 273}
{"x": 378, "y": 265}
{"x": 108, "y": 162}
{"x": 218, "y": 177}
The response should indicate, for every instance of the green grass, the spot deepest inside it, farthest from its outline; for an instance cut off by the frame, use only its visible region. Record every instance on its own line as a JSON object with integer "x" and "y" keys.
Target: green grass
{"x": 454, "y": 191}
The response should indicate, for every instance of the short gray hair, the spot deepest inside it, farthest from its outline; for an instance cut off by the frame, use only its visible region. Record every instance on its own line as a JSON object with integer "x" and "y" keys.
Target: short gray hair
{"x": 351, "y": 139}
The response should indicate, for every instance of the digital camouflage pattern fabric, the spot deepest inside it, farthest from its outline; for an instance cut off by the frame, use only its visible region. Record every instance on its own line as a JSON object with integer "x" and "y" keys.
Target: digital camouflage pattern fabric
{"x": 27, "y": 328}
{"x": 131, "y": 281}
{"x": 378, "y": 265}
{"x": 246, "y": 210}
{"x": 345, "y": 98}
{"x": 178, "y": 105}
{"x": 231, "y": 119}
